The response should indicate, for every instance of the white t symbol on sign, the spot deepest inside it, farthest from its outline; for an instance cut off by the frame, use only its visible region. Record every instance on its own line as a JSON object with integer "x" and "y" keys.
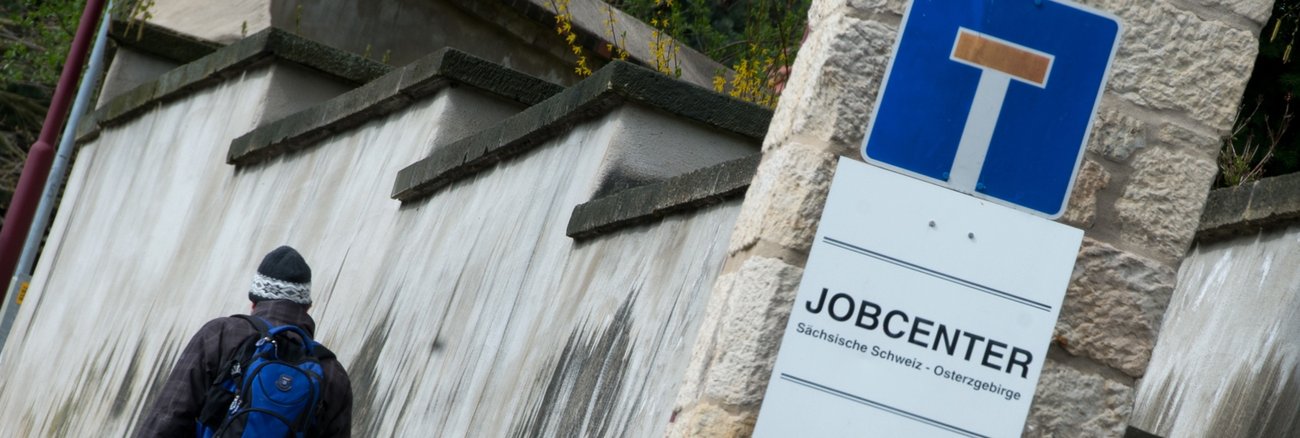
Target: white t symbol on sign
{"x": 1000, "y": 61}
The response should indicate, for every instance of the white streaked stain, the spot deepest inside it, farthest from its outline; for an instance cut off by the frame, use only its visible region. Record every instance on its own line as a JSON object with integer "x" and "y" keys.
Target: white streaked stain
{"x": 1229, "y": 340}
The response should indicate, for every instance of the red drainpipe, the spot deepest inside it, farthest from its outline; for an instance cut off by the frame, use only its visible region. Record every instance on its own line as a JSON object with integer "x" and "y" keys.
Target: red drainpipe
{"x": 23, "y": 206}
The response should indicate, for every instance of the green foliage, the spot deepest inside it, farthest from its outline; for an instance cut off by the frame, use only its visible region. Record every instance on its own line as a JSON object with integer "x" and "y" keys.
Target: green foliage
{"x": 1261, "y": 144}
{"x": 757, "y": 38}
{"x": 1246, "y": 152}
{"x": 31, "y": 35}
{"x": 564, "y": 28}
{"x": 723, "y": 30}
{"x": 34, "y": 39}
{"x": 34, "y": 32}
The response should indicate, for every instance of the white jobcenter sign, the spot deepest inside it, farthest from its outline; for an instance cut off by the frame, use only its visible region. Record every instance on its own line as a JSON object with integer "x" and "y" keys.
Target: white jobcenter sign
{"x": 922, "y": 312}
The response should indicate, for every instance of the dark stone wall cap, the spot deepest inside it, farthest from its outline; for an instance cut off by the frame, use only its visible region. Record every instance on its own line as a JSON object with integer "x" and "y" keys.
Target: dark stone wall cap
{"x": 1267, "y": 203}
{"x": 159, "y": 41}
{"x": 613, "y": 85}
{"x": 687, "y": 192}
{"x": 1133, "y": 432}
{"x": 335, "y": 62}
{"x": 651, "y": 88}
{"x": 388, "y": 94}
{"x": 228, "y": 61}
{"x": 87, "y": 128}
{"x": 466, "y": 69}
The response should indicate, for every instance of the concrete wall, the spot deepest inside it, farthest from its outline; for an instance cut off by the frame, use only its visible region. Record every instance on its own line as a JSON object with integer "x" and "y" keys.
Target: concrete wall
{"x": 464, "y": 310}
{"x": 1177, "y": 79}
{"x": 404, "y": 30}
{"x": 1228, "y": 361}
{"x": 516, "y": 34}
{"x": 143, "y": 51}
{"x": 224, "y": 22}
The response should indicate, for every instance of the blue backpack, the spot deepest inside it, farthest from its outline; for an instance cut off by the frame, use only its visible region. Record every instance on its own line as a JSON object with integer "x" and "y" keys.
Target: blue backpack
{"x": 270, "y": 387}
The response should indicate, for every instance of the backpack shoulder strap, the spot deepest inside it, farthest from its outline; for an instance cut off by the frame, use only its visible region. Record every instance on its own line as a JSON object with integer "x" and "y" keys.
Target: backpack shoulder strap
{"x": 320, "y": 352}
{"x": 244, "y": 350}
{"x": 312, "y": 347}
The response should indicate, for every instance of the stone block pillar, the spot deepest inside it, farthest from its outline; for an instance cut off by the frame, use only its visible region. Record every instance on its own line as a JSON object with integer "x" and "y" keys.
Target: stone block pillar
{"x": 1173, "y": 92}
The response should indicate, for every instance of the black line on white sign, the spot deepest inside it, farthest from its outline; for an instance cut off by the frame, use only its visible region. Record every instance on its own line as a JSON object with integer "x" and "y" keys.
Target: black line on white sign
{"x": 936, "y": 274}
{"x": 881, "y": 406}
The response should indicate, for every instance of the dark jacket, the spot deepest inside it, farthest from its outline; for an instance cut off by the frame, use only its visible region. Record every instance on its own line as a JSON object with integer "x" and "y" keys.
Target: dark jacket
{"x": 176, "y": 407}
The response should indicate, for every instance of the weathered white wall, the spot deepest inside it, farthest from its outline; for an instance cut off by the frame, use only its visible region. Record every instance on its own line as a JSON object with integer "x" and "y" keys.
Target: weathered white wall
{"x": 655, "y": 146}
{"x": 116, "y": 294}
{"x": 129, "y": 69}
{"x": 466, "y": 313}
{"x": 1228, "y": 361}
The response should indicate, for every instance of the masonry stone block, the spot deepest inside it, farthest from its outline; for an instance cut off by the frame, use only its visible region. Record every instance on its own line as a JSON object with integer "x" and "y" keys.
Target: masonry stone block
{"x": 709, "y": 420}
{"x": 1116, "y": 135}
{"x": 1082, "y": 209}
{"x": 1178, "y": 136}
{"x": 1171, "y": 59}
{"x": 1113, "y": 307}
{"x": 834, "y": 82}
{"x": 898, "y": 7}
{"x": 759, "y": 303}
{"x": 1254, "y": 10}
{"x": 821, "y": 10}
{"x": 1076, "y": 402}
{"x": 785, "y": 200}
{"x": 1161, "y": 205}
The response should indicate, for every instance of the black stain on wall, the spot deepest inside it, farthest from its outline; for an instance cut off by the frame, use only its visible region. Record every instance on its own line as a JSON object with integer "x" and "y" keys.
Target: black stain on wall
{"x": 1260, "y": 403}
{"x": 162, "y": 368}
{"x": 363, "y": 372}
{"x": 82, "y": 397}
{"x": 124, "y": 389}
{"x": 1257, "y": 400}
{"x": 577, "y": 398}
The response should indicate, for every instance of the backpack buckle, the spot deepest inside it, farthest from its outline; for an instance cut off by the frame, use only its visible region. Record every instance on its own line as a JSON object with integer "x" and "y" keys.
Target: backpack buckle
{"x": 234, "y": 404}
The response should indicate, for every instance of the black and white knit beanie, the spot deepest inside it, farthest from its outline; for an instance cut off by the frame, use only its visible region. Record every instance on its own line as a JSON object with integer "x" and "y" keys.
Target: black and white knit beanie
{"x": 283, "y": 275}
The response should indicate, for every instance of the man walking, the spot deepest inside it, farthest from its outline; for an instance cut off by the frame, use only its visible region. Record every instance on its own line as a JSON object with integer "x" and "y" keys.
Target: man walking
{"x": 207, "y": 384}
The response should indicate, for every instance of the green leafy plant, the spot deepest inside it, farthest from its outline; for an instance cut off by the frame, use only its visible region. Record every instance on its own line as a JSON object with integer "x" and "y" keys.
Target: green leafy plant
{"x": 1260, "y": 144}
{"x": 758, "y": 39}
{"x": 35, "y": 36}
{"x": 564, "y": 27}
{"x": 1245, "y": 154}
{"x": 618, "y": 41}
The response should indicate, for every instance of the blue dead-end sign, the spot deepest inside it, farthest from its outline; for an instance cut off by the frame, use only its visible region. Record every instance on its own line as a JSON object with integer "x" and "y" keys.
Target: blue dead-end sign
{"x": 994, "y": 98}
